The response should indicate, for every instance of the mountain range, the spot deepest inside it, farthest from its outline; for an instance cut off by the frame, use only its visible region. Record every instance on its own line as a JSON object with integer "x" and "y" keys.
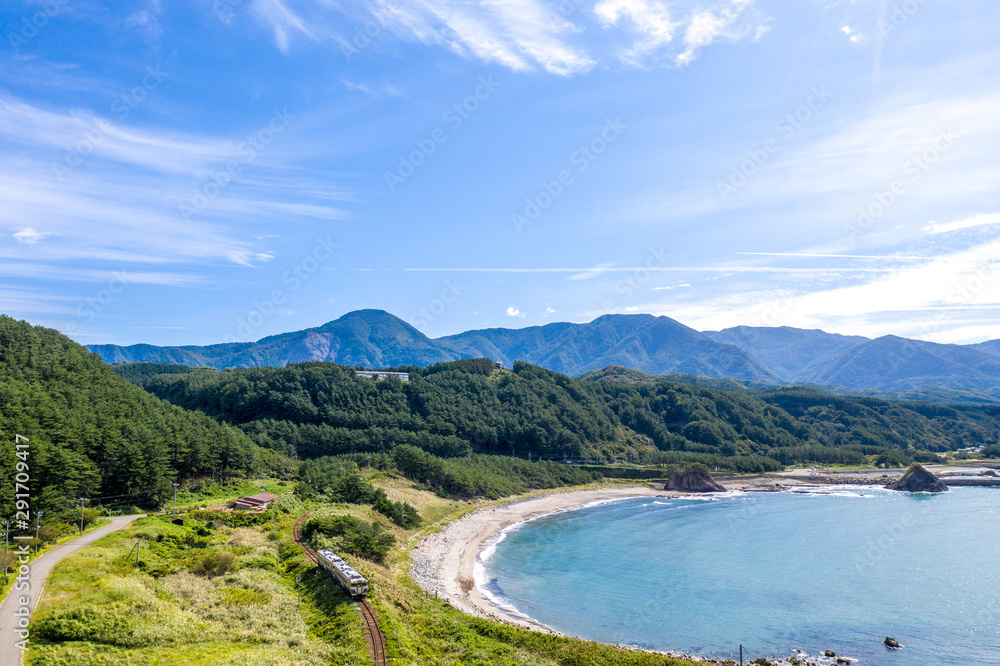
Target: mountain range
{"x": 647, "y": 343}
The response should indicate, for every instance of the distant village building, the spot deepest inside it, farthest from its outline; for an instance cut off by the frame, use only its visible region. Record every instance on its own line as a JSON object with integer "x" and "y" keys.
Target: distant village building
{"x": 255, "y": 503}
{"x": 379, "y": 374}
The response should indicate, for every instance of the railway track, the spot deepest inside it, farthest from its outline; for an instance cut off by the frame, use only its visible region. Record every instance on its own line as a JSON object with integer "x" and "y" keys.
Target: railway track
{"x": 373, "y": 632}
{"x": 310, "y": 555}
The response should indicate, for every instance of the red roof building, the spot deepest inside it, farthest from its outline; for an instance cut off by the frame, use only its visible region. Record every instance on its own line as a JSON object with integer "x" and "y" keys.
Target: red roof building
{"x": 256, "y": 502}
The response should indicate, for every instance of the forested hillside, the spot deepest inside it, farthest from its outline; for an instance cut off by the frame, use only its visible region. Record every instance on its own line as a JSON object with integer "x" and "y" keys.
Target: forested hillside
{"x": 450, "y": 409}
{"x": 92, "y": 434}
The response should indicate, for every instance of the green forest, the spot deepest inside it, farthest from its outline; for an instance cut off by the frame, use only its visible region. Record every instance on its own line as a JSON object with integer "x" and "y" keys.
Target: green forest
{"x": 122, "y": 435}
{"x": 450, "y": 410}
{"x": 89, "y": 433}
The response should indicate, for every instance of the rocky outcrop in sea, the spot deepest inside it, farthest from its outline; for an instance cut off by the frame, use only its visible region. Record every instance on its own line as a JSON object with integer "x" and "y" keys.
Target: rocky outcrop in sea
{"x": 918, "y": 480}
{"x": 694, "y": 479}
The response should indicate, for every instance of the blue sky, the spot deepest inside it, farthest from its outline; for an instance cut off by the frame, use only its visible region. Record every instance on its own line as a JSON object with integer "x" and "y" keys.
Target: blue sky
{"x": 196, "y": 171}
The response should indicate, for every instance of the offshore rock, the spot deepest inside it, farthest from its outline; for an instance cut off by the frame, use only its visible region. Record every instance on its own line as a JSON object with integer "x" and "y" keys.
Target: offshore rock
{"x": 694, "y": 479}
{"x": 918, "y": 480}
{"x": 891, "y": 642}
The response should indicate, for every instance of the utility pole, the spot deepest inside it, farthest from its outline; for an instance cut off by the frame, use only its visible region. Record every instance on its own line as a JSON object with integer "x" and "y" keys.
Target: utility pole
{"x": 82, "y": 500}
{"x": 298, "y": 583}
{"x": 176, "y": 485}
{"x": 263, "y": 486}
{"x": 38, "y": 525}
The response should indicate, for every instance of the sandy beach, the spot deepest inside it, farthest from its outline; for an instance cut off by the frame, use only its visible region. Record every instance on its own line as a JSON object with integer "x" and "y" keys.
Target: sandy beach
{"x": 444, "y": 563}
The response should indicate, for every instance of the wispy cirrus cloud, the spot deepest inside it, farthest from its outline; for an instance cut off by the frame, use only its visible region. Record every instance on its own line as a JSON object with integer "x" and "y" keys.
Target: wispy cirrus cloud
{"x": 128, "y": 181}
{"x": 520, "y": 34}
{"x": 567, "y": 38}
{"x": 282, "y": 21}
{"x": 984, "y": 220}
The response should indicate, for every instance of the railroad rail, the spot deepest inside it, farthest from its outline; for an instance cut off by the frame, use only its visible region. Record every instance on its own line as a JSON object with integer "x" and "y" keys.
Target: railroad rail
{"x": 373, "y": 632}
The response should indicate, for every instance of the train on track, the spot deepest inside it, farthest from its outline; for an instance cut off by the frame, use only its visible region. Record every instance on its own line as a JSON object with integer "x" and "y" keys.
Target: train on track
{"x": 353, "y": 583}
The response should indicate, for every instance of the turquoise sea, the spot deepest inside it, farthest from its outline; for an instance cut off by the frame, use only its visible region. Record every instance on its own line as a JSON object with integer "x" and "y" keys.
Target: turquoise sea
{"x": 837, "y": 569}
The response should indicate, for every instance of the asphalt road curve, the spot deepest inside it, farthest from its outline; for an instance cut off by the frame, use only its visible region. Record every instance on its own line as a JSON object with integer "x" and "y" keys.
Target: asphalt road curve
{"x": 10, "y": 653}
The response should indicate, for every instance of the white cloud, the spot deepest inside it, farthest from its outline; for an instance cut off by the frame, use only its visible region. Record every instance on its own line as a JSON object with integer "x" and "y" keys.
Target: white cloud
{"x": 652, "y": 23}
{"x": 523, "y": 35}
{"x": 520, "y": 34}
{"x": 30, "y": 235}
{"x": 147, "y": 20}
{"x": 707, "y": 27}
{"x": 969, "y": 222}
{"x": 514, "y": 312}
{"x": 137, "y": 217}
{"x": 282, "y": 21}
{"x": 930, "y": 301}
{"x": 649, "y": 18}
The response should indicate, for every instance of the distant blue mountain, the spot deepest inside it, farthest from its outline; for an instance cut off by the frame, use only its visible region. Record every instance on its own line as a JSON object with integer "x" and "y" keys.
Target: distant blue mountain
{"x": 377, "y": 339}
{"x": 652, "y": 345}
{"x": 369, "y": 338}
{"x": 656, "y": 345}
{"x": 794, "y": 354}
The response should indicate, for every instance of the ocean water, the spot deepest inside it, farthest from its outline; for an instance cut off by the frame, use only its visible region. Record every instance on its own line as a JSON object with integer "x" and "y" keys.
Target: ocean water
{"x": 837, "y": 569}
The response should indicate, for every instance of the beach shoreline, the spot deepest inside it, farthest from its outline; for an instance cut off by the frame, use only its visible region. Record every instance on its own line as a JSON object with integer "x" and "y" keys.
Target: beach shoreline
{"x": 444, "y": 563}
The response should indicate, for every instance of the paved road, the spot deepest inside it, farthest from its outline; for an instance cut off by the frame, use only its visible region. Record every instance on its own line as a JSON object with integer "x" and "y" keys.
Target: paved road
{"x": 10, "y": 653}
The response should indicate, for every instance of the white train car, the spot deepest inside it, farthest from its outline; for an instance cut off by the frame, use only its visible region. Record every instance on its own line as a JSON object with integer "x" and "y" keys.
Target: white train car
{"x": 353, "y": 583}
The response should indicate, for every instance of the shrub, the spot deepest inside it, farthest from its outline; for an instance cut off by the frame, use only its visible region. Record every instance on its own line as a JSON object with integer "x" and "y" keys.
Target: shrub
{"x": 215, "y": 564}
{"x": 240, "y": 597}
{"x": 83, "y": 624}
{"x": 367, "y": 540}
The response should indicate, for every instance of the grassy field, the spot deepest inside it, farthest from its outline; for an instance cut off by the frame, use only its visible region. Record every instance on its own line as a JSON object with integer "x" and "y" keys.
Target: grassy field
{"x": 200, "y": 494}
{"x": 207, "y": 593}
{"x": 6, "y": 585}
